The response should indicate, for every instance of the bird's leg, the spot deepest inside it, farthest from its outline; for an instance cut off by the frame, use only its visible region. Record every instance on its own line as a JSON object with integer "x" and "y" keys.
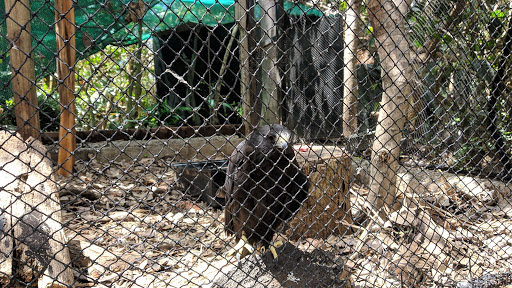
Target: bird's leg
{"x": 239, "y": 247}
{"x": 272, "y": 247}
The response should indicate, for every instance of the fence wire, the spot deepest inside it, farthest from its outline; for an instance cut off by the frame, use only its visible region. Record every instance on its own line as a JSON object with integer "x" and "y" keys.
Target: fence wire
{"x": 255, "y": 143}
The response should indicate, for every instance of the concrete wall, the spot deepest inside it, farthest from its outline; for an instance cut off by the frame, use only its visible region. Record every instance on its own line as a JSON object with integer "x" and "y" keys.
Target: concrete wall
{"x": 176, "y": 150}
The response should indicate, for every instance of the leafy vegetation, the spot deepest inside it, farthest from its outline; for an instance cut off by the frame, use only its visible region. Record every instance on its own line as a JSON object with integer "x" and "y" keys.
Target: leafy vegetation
{"x": 105, "y": 91}
{"x": 48, "y": 113}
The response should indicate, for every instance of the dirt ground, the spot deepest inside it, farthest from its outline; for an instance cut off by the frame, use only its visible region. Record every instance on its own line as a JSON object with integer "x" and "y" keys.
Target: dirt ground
{"x": 130, "y": 225}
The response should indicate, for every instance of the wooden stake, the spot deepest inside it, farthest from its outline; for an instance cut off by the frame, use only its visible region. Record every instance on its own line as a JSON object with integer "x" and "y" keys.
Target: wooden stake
{"x": 353, "y": 28}
{"x": 22, "y": 67}
{"x": 270, "y": 74}
{"x": 65, "y": 32}
{"x": 244, "y": 17}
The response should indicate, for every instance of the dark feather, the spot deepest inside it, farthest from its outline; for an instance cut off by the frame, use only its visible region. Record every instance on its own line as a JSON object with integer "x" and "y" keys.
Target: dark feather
{"x": 264, "y": 185}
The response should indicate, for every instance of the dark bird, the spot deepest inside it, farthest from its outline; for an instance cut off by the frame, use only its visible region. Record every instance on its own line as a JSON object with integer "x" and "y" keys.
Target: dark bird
{"x": 264, "y": 187}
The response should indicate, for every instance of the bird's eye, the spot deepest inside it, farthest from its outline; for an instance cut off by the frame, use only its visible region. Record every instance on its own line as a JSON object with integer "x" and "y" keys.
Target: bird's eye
{"x": 272, "y": 138}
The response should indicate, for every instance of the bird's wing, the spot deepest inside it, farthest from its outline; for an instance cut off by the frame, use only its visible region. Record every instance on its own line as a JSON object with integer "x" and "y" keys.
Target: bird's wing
{"x": 236, "y": 175}
{"x": 234, "y": 164}
{"x": 299, "y": 187}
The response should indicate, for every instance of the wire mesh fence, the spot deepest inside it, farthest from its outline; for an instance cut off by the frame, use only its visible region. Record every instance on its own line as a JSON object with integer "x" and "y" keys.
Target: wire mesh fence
{"x": 255, "y": 143}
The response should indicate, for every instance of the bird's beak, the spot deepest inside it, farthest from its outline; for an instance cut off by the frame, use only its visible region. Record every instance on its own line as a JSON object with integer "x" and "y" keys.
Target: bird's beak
{"x": 281, "y": 143}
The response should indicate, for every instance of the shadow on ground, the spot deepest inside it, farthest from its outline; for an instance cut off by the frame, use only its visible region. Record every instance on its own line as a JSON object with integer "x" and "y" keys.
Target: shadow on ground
{"x": 292, "y": 268}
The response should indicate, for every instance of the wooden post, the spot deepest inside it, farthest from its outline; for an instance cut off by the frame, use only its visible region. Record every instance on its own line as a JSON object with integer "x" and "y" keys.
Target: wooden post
{"x": 65, "y": 32}
{"x": 353, "y": 28}
{"x": 270, "y": 76}
{"x": 244, "y": 16}
{"x": 22, "y": 67}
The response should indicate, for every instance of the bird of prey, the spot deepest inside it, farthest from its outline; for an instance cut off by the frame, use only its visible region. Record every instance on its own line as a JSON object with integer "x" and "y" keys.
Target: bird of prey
{"x": 264, "y": 187}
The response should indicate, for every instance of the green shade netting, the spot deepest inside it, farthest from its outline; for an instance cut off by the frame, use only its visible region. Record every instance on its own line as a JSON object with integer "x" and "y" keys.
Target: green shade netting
{"x": 102, "y": 22}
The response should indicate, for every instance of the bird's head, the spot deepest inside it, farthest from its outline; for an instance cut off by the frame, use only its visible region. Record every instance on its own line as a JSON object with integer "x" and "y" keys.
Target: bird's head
{"x": 272, "y": 136}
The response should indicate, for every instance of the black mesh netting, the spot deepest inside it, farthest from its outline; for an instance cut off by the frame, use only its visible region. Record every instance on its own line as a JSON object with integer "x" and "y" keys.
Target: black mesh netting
{"x": 217, "y": 143}
{"x": 315, "y": 85}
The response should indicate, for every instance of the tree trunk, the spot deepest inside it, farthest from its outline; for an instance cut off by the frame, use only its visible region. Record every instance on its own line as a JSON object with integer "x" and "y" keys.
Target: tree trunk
{"x": 353, "y": 28}
{"x": 388, "y": 21}
{"x": 326, "y": 210}
{"x": 22, "y": 66}
{"x": 34, "y": 245}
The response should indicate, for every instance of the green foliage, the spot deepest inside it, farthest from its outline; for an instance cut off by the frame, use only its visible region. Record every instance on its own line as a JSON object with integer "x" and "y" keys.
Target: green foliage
{"x": 160, "y": 114}
{"x": 105, "y": 98}
{"x": 48, "y": 113}
{"x": 470, "y": 153}
{"x": 8, "y": 117}
{"x": 343, "y": 6}
{"x": 496, "y": 23}
{"x": 235, "y": 107}
{"x": 103, "y": 85}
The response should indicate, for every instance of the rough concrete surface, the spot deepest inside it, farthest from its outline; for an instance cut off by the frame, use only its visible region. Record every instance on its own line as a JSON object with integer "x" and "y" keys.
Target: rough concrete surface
{"x": 180, "y": 150}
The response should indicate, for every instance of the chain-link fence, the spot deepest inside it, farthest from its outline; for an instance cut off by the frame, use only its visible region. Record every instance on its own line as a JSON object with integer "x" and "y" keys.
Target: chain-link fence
{"x": 255, "y": 143}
